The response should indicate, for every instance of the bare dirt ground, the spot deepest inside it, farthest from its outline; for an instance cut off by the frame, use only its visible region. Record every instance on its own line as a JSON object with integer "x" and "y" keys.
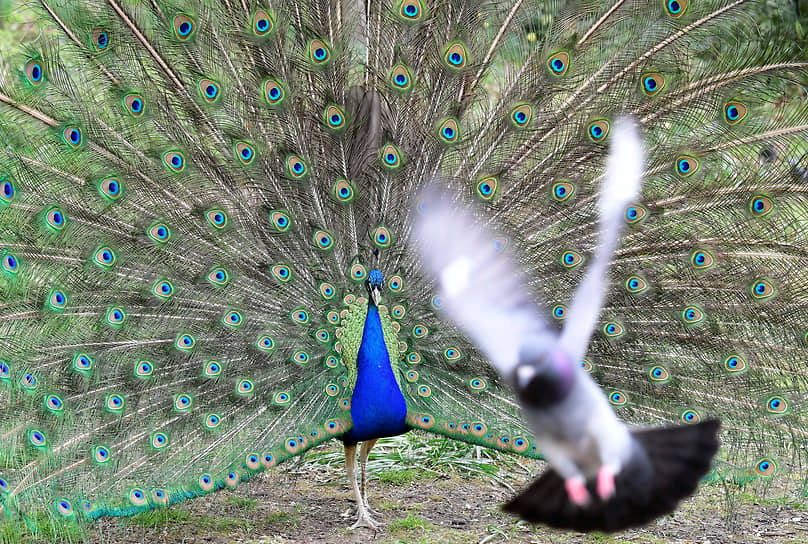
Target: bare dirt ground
{"x": 290, "y": 505}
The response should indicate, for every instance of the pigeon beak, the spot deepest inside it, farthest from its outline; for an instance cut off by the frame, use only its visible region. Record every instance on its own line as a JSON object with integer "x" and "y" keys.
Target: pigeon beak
{"x": 375, "y": 295}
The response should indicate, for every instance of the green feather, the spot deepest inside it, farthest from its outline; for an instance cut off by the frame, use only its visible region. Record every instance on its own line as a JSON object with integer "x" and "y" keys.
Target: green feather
{"x": 221, "y": 168}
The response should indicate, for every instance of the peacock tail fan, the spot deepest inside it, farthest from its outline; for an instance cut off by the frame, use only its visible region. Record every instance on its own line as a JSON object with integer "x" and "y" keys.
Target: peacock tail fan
{"x": 194, "y": 193}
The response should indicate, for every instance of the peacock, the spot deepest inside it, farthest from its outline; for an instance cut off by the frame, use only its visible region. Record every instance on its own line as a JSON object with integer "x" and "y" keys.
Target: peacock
{"x": 206, "y": 218}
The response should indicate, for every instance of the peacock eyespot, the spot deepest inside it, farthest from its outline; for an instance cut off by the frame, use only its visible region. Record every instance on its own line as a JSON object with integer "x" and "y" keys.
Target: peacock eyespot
{"x": 212, "y": 421}
{"x": 343, "y": 191}
{"x": 687, "y": 165}
{"x": 448, "y": 131}
{"x": 11, "y": 263}
{"x": 185, "y": 342}
{"x": 159, "y": 496}
{"x": 144, "y": 369}
{"x": 563, "y": 190}
{"x": 701, "y": 259}
{"x": 735, "y": 363}
{"x": 391, "y": 158}
{"x": 587, "y": 365}
{"x": 232, "y": 479}
{"x": 174, "y": 161}
{"x": 598, "y": 130}
{"x": 72, "y": 136}
{"x": 777, "y": 405}
{"x": 29, "y": 381}
{"x": 37, "y": 438}
{"x": 763, "y": 289}
{"x": 559, "y": 311}
{"x": 327, "y": 290}
{"x": 456, "y": 55}
{"x": 676, "y": 8}
{"x": 64, "y": 507}
{"x": 218, "y": 277}
{"x": 262, "y": 23}
{"x": 82, "y": 362}
{"x": 411, "y": 10}
{"x": 34, "y": 73}
{"x": 636, "y": 284}
{"x": 163, "y": 289}
{"x": 381, "y": 237}
{"x": 211, "y": 369}
{"x": 105, "y": 258}
{"x": 521, "y": 115}
{"x": 319, "y": 52}
{"x": 183, "y": 402}
{"x": 690, "y": 416}
{"x": 245, "y": 152}
{"x": 8, "y": 190}
{"x": 357, "y": 273}
{"x": 613, "y": 329}
{"x": 100, "y": 39}
{"x": 159, "y": 233}
{"x": 57, "y": 300}
{"x": 693, "y": 315}
{"x": 659, "y": 374}
{"x": 273, "y": 92}
{"x": 635, "y": 214}
{"x": 115, "y": 403}
{"x": 233, "y": 319}
{"x": 101, "y": 454}
{"x": 571, "y": 259}
{"x": 184, "y": 27}
{"x": 652, "y": 84}
{"x": 618, "y": 398}
{"x": 324, "y": 240}
{"x": 765, "y": 467}
{"x": 734, "y": 112}
{"x": 54, "y": 404}
{"x": 452, "y": 354}
{"x": 401, "y": 77}
{"x": 295, "y": 167}
{"x": 137, "y": 497}
{"x": 761, "y": 205}
{"x": 300, "y": 316}
{"x": 558, "y": 63}
{"x": 115, "y": 317}
{"x": 487, "y": 187}
{"x": 334, "y": 117}
{"x": 110, "y": 188}
{"x": 217, "y": 218}
{"x": 478, "y": 384}
{"x": 265, "y": 343}
{"x": 282, "y": 273}
{"x": 134, "y": 104}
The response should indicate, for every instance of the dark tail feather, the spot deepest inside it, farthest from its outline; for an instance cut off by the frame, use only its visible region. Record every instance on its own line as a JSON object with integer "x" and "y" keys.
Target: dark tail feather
{"x": 668, "y": 466}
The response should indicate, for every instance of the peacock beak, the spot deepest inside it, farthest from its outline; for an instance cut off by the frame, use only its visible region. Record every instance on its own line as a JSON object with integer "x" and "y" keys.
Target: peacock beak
{"x": 376, "y": 295}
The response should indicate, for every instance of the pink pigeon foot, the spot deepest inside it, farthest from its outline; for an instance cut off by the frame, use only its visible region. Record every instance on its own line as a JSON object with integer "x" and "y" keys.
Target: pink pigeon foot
{"x": 576, "y": 491}
{"x": 605, "y": 482}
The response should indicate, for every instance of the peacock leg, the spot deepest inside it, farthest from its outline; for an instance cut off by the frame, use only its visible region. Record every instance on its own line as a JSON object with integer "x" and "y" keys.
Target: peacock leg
{"x": 364, "y": 452}
{"x": 363, "y": 516}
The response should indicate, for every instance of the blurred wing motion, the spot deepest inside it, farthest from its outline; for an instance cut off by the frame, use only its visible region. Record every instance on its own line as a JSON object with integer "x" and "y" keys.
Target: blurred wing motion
{"x": 604, "y": 476}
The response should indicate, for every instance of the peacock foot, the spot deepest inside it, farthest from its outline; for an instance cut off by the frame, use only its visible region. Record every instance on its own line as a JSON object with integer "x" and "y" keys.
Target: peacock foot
{"x": 370, "y": 510}
{"x": 364, "y": 520}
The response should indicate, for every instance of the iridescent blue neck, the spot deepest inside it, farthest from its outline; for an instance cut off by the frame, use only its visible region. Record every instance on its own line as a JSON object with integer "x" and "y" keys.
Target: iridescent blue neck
{"x": 378, "y": 408}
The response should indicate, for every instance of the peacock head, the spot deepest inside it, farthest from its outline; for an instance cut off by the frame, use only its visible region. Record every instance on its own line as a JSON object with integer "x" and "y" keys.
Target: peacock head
{"x": 374, "y": 285}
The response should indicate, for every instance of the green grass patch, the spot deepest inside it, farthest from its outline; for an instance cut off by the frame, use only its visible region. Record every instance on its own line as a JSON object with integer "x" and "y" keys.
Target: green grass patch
{"x": 400, "y": 477}
{"x": 409, "y": 523}
{"x": 243, "y": 503}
